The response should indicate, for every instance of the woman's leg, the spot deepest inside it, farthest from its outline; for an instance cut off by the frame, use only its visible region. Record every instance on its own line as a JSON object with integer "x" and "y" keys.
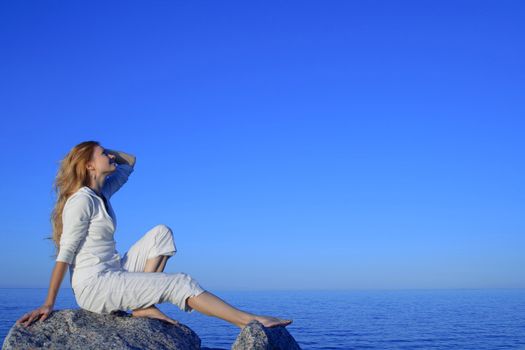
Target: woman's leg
{"x": 148, "y": 249}
{"x": 211, "y": 305}
{"x": 158, "y": 239}
{"x": 162, "y": 263}
{"x": 206, "y": 302}
{"x": 155, "y": 264}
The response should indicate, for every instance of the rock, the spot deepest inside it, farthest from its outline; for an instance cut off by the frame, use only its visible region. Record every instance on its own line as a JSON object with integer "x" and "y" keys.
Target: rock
{"x": 82, "y": 329}
{"x": 257, "y": 337}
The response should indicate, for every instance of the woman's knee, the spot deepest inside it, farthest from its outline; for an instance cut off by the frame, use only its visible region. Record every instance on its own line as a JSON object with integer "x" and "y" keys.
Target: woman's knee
{"x": 164, "y": 240}
{"x": 163, "y": 231}
{"x": 161, "y": 228}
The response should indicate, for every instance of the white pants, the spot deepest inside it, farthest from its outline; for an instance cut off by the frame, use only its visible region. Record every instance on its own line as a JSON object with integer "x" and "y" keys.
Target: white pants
{"x": 131, "y": 288}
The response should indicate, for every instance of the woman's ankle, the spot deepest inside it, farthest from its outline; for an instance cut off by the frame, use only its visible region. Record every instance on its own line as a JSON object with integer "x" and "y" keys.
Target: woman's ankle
{"x": 244, "y": 319}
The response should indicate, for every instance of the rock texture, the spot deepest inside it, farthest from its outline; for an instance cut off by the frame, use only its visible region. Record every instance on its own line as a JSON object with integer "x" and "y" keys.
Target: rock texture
{"x": 81, "y": 329}
{"x": 257, "y": 337}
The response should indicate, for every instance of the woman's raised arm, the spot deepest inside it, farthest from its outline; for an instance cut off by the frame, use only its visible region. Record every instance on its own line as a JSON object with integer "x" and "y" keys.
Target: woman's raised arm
{"x": 122, "y": 157}
{"x": 45, "y": 310}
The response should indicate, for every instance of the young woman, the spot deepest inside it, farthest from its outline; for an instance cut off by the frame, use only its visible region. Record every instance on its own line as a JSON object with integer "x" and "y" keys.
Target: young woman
{"x": 84, "y": 224}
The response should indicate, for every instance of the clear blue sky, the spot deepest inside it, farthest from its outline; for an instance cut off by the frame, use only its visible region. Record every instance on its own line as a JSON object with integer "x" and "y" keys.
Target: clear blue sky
{"x": 288, "y": 144}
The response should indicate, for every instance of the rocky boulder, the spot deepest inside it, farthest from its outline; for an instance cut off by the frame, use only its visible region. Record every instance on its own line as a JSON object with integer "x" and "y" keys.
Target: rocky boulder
{"x": 257, "y": 337}
{"x": 81, "y": 329}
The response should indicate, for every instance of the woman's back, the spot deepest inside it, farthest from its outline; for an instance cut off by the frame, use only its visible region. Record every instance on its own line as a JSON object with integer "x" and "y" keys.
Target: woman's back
{"x": 87, "y": 242}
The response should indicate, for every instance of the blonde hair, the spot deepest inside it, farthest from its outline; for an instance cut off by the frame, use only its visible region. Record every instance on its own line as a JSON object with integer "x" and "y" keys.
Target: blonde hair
{"x": 71, "y": 176}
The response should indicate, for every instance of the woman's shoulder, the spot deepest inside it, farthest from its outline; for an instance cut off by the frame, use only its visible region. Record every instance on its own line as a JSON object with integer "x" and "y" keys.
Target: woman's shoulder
{"x": 82, "y": 191}
{"x": 82, "y": 197}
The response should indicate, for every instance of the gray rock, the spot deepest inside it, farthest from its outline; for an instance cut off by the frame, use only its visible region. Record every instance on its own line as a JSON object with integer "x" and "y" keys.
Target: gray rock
{"x": 81, "y": 329}
{"x": 257, "y": 337}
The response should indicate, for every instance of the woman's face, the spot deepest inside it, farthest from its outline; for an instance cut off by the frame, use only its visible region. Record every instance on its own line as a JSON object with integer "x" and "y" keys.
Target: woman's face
{"x": 103, "y": 162}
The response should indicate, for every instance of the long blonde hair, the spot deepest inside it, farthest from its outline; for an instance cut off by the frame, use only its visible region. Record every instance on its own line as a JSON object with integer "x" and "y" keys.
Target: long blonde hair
{"x": 71, "y": 176}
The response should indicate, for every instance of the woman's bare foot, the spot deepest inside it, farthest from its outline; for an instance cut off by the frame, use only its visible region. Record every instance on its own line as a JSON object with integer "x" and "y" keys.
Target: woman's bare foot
{"x": 269, "y": 321}
{"x": 153, "y": 312}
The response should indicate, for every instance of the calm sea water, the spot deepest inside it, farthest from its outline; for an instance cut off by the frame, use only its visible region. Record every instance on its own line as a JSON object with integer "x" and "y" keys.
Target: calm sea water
{"x": 408, "y": 319}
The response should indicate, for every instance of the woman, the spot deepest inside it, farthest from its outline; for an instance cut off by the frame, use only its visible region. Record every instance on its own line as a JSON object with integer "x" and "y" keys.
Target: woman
{"x": 83, "y": 227}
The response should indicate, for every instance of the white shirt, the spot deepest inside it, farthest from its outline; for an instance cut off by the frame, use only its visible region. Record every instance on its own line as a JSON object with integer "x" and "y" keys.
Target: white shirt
{"x": 87, "y": 242}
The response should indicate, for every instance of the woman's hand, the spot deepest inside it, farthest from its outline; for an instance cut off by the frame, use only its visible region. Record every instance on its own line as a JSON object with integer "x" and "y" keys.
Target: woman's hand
{"x": 45, "y": 310}
{"x": 41, "y": 313}
{"x": 122, "y": 157}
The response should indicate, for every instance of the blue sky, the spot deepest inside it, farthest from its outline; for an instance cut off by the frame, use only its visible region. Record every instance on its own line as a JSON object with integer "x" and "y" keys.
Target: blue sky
{"x": 289, "y": 145}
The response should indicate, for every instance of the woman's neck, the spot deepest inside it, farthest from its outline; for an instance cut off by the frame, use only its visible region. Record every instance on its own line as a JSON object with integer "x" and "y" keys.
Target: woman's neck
{"x": 96, "y": 185}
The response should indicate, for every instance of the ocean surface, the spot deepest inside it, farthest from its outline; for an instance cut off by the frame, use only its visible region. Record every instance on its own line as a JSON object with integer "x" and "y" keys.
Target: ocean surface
{"x": 401, "y": 319}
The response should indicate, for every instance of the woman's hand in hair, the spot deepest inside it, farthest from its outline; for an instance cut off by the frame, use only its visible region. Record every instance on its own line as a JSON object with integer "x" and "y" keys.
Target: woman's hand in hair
{"x": 41, "y": 313}
{"x": 122, "y": 157}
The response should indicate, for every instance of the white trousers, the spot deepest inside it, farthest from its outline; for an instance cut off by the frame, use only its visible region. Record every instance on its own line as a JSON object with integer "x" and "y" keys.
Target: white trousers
{"x": 131, "y": 288}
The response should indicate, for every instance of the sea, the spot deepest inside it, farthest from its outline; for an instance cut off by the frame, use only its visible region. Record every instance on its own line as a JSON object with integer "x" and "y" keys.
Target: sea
{"x": 474, "y": 319}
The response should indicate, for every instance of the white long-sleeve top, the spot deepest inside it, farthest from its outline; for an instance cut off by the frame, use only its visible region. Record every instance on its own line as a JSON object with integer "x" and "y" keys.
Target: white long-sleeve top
{"x": 87, "y": 242}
